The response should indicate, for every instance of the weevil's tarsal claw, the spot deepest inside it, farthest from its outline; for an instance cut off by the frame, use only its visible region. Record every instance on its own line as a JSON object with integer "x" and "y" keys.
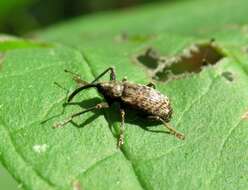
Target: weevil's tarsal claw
{"x": 62, "y": 124}
{"x": 177, "y": 134}
{"x": 57, "y": 125}
{"x": 173, "y": 131}
{"x": 180, "y": 136}
{"x": 120, "y": 141}
{"x": 69, "y": 119}
{"x": 122, "y": 129}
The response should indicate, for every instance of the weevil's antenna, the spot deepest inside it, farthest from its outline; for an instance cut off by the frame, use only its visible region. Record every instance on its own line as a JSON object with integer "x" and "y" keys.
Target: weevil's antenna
{"x": 60, "y": 86}
{"x": 72, "y": 73}
{"x": 75, "y": 92}
{"x": 76, "y": 78}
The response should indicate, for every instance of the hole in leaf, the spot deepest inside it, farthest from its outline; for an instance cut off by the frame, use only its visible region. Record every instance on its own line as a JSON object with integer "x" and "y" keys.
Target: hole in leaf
{"x": 228, "y": 76}
{"x": 192, "y": 60}
{"x": 149, "y": 59}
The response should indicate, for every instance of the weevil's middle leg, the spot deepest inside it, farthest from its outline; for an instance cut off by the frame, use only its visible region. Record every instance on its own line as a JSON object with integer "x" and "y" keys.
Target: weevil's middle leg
{"x": 69, "y": 119}
{"x": 121, "y": 137}
{"x": 168, "y": 126}
{"x": 112, "y": 74}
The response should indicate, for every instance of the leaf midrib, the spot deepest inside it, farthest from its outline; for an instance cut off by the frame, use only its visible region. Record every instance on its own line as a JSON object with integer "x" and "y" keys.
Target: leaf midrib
{"x": 122, "y": 148}
{"x": 47, "y": 181}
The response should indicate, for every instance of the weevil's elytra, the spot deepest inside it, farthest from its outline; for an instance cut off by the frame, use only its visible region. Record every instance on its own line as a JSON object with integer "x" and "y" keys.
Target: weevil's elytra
{"x": 144, "y": 98}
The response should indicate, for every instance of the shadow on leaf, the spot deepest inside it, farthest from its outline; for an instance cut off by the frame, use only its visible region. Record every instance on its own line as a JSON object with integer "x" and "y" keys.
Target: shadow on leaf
{"x": 112, "y": 115}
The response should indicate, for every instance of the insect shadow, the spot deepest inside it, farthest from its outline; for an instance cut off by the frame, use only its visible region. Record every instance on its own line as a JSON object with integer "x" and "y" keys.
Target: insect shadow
{"x": 133, "y": 117}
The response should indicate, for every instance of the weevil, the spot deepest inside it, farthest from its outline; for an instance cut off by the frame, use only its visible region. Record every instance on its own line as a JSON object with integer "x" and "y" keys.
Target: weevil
{"x": 144, "y": 98}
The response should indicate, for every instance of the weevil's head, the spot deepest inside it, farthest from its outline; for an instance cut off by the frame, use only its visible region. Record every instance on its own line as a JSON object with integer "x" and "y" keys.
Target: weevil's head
{"x": 111, "y": 89}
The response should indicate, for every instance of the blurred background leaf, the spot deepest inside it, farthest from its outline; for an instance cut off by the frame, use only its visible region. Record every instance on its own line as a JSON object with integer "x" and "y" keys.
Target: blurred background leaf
{"x": 21, "y": 16}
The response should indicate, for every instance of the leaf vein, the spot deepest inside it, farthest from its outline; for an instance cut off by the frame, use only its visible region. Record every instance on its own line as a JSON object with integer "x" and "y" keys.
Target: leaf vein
{"x": 123, "y": 152}
{"x": 28, "y": 71}
{"x": 92, "y": 166}
{"x": 222, "y": 147}
{"x": 48, "y": 182}
{"x": 195, "y": 100}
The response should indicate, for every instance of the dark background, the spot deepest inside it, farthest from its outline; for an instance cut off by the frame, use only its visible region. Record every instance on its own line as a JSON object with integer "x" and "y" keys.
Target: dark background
{"x": 21, "y": 16}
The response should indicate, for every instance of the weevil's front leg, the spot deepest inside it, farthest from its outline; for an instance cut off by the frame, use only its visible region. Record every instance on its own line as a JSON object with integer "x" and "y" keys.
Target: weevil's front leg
{"x": 76, "y": 185}
{"x": 151, "y": 84}
{"x": 168, "y": 126}
{"x": 122, "y": 130}
{"x": 69, "y": 119}
{"x": 76, "y": 77}
{"x": 112, "y": 74}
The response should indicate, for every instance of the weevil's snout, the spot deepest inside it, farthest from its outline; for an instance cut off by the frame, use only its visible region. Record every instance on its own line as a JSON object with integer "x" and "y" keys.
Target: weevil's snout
{"x": 111, "y": 89}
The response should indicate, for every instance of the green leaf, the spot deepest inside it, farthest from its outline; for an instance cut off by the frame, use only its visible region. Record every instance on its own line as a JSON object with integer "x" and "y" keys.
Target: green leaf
{"x": 7, "y": 6}
{"x": 7, "y": 181}
{"x": 9, "y": 42}
{"x": 208, "y": 106}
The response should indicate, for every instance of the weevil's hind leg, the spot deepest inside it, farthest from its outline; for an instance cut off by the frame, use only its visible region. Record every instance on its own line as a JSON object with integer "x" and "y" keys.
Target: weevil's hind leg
{"x": 152, "y": 85}
{"x": 174, "y": 131}
{"x": 122, "y": 130}
{"x": 76, "y": 77}
{"x": 112, "y": 74}
{"x": 69, "y": 119}
{"x": 168, "y": 126}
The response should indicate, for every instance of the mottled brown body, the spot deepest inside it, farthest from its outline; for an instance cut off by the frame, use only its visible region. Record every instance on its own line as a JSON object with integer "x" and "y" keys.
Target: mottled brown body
{"x": 129, "y": 95}
{"x": 147, "y": 99}
{"x": 140, "y": 97}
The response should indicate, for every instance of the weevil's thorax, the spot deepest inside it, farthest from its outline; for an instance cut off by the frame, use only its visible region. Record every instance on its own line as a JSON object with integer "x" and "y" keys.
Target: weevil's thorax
{"x": 111, "y": 89}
